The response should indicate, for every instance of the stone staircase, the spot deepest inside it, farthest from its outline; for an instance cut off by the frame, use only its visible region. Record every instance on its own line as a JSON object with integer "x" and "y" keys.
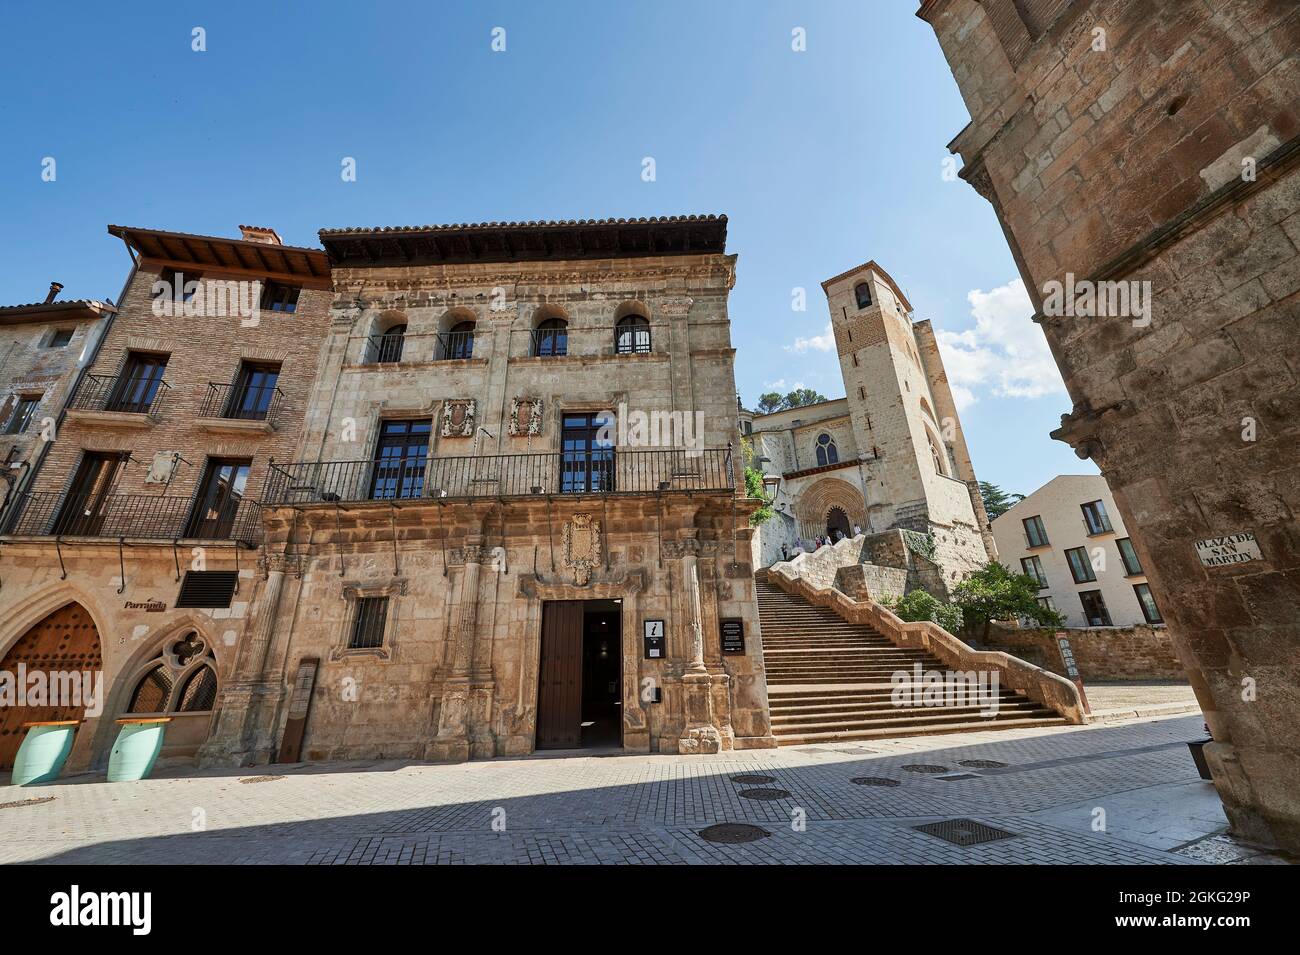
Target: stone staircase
{"x": 828, "y": 679}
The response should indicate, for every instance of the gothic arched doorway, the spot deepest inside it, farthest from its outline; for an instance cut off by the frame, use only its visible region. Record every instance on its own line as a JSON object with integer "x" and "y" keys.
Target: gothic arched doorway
{"x": 67, "y": 640}
{"x": 837, "y": 520}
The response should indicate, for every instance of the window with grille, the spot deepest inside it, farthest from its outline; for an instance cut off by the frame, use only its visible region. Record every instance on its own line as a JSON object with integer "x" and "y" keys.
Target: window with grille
{"x": 368, "y": 626}
{"x": 207, "y": 588}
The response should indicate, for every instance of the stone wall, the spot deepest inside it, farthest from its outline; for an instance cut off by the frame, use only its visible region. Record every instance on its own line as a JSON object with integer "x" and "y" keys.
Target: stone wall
{"x": 1103, "y": 653}
{"x": 1157, "y": 146}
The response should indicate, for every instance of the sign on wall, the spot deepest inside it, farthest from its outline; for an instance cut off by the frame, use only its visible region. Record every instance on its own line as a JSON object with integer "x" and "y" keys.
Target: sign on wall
{"x": 1232, "y": 549}
{"x": 732, "y": 630}
{"x": 654, "y": 640}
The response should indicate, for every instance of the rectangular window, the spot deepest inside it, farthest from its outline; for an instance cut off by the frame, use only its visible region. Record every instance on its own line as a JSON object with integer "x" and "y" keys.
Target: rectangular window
{"x": 1149, "y": 609}
{"x": 1094, "y": 608}
{"x": 138, "y": 384}
{"x": 1080, "y": 565}
{"x": 60, "y": 338}
{"x": 587, "y": 455}
{"x": 400, "y": 458}
{"x": 254, "y": 390}
{"x": 1033, "y": 567}
{"x": 1046, "y": 603}
{"x": 280, "y": 298}
{"x": 22, "y": 416}
{"x": 1035, "y": 532}
{"x": 368, "y": 625}
{"x": 1094, "y": 515}
{"x": 220, "y": 494}
{"x": 176, "y": 282}
{"x": 86, "y": 506}
{"x": 1132, "y": 566}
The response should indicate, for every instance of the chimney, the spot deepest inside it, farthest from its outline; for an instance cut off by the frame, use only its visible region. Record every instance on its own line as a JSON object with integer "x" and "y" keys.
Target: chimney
{"x": 257, "y": 233}
{"x": 55, "y": 289}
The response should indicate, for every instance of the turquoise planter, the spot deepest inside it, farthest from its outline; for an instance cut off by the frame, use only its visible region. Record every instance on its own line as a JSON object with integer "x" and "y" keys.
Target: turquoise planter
{"x": 135, "y": 752}
{"x": 42, "y": 754}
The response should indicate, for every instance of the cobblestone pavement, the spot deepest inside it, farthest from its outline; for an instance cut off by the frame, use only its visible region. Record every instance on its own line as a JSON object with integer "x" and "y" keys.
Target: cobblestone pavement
{"x": 650, "y": 809}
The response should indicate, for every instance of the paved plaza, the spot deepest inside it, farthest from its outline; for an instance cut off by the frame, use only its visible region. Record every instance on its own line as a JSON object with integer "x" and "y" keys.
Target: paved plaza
{"x": 844, "y": 803}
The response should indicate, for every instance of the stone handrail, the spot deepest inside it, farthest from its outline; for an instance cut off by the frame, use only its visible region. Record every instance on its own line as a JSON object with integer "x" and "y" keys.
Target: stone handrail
{"x": 1041, "y": 686}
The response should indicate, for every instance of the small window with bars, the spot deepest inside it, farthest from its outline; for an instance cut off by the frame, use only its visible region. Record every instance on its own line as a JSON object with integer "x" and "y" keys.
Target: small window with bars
{"x": 207, "y": 589}
{"x": 368, "y": 625}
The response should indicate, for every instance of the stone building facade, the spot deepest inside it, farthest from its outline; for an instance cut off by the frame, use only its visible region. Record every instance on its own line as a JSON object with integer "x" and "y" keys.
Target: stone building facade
{"x": 1155, "y": 147}
{"x": 889, "y": 455}
{"x": 48, "y": 345}
{"x": 513, "y": 520}
{"x": 133, "y": 549}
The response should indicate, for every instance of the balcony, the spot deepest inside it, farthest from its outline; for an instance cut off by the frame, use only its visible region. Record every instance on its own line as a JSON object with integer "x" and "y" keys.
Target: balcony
{"x": 596, "y": 472}
{"x": 119, "y": 400}
{"x": 240, "y": 408}
{"x": 131, "y": 516}
{"x": 434, "y": 346}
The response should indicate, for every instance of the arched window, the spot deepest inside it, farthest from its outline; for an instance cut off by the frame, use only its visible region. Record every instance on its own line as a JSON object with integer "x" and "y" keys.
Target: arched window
{"x": 388, "y": 346}
{"x": 459, "y": 342}
{"x": 862, "y": 291}
{"x": 936, "y": 456}
{"x": 632, "y": 336}
{"x": 180, "y": 678}
{"x": 827, "y": 453}
{"x": 551, "y": 338}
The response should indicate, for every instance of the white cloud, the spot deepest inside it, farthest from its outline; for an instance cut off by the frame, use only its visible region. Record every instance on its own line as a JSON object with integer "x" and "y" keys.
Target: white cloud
{"x": 822, "y": 342}
{"x": 1004, "y": 355}
{"x": 785, "y": 386}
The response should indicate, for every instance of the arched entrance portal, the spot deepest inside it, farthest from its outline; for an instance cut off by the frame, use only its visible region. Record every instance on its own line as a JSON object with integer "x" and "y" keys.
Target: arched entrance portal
{"x": 837, "y": 520}
{"x": 65, "y": 641}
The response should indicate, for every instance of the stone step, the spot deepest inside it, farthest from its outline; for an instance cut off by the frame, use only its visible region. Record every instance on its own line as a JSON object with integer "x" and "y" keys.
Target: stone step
{"x": 879, "y": 716}
{"x": 812, "y": 735}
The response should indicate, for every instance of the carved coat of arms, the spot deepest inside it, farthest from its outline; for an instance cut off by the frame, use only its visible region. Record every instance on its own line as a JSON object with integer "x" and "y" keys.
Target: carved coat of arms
{"x": 526, "y": 416}
{"x": 581, "y": 547}
{"x": 458, "y": 418}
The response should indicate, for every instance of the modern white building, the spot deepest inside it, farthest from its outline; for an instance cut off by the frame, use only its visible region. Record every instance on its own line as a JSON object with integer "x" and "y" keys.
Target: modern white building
{"x": 1069, "y": 536}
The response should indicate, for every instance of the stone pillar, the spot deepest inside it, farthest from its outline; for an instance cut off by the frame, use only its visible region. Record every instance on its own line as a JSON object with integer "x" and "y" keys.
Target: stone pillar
{"x": 249, "y": 696}
{"x": 700, "y": 734}
{"x": 453, "y": 739}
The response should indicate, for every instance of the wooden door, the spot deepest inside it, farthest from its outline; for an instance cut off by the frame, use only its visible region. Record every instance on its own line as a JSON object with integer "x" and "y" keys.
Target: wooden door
{"x": 65, "y": 640}
{"x": 559, "y": 691}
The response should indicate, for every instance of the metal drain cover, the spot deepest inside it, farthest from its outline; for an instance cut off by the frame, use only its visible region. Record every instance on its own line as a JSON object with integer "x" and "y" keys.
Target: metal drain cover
{"x": 927, "y": 768}
{"x": 260, "y": 779}
{"x": 753, "y": 780}
{"x": 963, "y": 832}
{"x": 733, "y": 833}
{"x": 983, "y": 764}
{"x": 765, "y": 795}
{"x": 34, "y": 801}
{"x": 873, "y": 781}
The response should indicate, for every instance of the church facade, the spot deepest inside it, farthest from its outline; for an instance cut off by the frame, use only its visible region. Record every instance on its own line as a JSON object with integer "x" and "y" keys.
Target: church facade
{"x": 888, "y": 456}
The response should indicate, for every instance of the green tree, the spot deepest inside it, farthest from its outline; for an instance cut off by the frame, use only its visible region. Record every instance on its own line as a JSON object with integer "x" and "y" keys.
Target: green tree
{"x": 754, "y": 489}
{"x": 803, "y": 396}
{"x": 995, "y": 593}
{"x": 997, "y": 501}
{"x": 769, "y": 402}
{"x": 918, "y": 605}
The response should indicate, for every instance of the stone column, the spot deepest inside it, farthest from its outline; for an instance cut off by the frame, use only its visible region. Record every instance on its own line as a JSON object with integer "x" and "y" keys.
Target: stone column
{"x": 452, "y": 741}
{"x": 249, "y": 695}
{"x": 700, "y": 734}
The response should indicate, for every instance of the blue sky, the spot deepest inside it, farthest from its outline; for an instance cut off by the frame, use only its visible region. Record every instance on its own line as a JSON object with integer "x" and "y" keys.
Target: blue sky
{"x": 821, "y": 159}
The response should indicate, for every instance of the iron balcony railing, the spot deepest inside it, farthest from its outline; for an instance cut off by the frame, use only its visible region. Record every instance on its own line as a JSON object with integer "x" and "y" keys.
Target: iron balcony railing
{"x": 128, "y": 393}
{"x": 505, "y": 475}
{"x": 242, "y": 402}
{"x": 434, "y": 346}
{"x": 142, "y": 516}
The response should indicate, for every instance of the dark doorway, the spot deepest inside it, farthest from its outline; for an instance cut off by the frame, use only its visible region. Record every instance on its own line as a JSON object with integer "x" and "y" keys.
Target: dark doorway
{"x": 580, "y": 684}
{"x": 86, "y": 506}
{"x": 837, "y": 520}
{"x": 220, "y": 494}
{"x": 602, "y": 674}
